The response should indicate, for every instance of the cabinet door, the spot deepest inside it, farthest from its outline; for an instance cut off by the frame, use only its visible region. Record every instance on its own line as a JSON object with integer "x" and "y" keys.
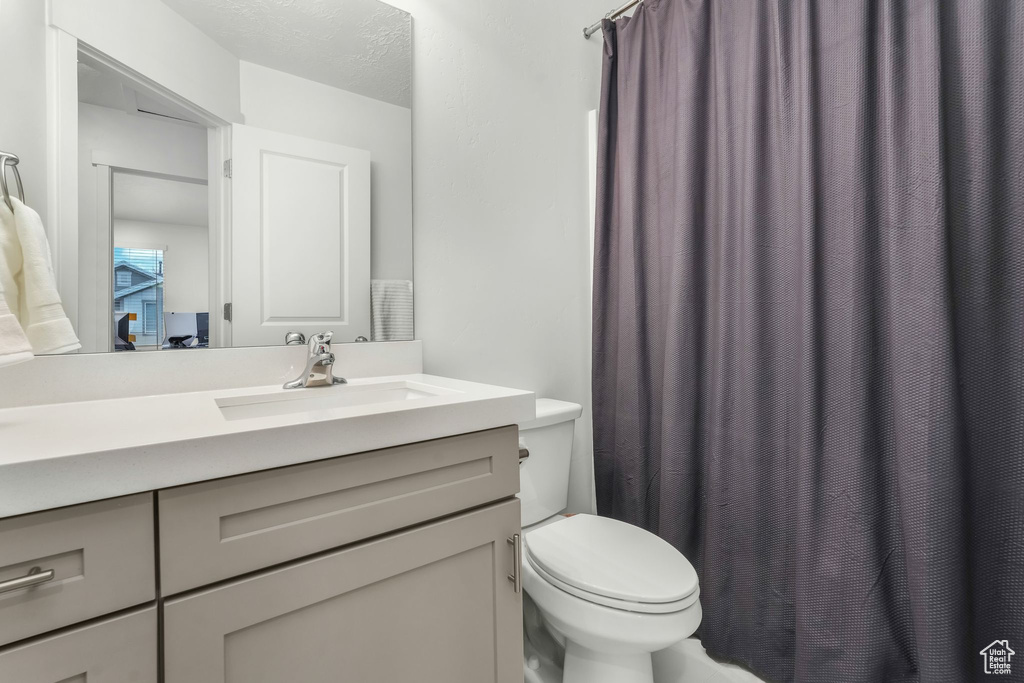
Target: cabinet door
{"x": 433, "y": 603}
{"x": 117, "y": 650}
{"x": 102, "y": 557}
{"x": 221, "y": 529}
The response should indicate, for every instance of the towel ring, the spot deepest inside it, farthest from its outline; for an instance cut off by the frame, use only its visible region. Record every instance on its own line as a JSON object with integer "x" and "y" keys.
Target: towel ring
{"x": 8, "y": 159}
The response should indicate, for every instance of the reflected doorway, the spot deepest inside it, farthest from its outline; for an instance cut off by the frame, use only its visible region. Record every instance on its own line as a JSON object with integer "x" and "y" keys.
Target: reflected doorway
{"x": 160, "y": 279}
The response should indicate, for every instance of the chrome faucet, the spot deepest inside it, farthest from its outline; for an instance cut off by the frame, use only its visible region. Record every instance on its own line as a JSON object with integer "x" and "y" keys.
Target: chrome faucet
{"x": 319, "y": 370}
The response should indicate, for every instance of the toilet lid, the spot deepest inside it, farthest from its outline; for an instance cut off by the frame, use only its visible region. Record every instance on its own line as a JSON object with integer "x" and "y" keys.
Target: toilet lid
{"x": 613, "y": 559}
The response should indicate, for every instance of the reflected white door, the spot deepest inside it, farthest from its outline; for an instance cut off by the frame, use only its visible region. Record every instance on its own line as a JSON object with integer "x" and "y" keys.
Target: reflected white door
{"x": 300, "y": 238}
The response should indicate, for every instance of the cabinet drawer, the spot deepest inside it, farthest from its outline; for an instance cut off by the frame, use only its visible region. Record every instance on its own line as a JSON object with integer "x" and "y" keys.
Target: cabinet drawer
{"x": 432, "y": 603}
{"x": 121, "y": 649}
{"x": 101, "y": 554}
{"x": 219, "y": 529}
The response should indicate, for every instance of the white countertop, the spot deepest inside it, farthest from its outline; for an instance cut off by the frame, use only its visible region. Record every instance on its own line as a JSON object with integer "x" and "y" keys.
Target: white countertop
{"x": 67, "y": 453}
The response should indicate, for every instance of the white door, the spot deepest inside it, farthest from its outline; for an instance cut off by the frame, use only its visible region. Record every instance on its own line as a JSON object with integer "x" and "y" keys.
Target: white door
{"x": 300, "y": 238}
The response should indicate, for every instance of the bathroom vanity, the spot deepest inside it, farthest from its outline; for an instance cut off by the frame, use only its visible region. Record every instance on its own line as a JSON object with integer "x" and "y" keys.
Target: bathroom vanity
{"x": 307, "y": 563}
{"x": 168, "y": 510}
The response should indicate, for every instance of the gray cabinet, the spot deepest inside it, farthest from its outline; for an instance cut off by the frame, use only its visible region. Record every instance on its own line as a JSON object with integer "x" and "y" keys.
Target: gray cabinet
{"x": 432, "y": 603}
{"x": 220, "y": 529}
{"x": 380, "y": 567}
{"x": 121, "y": 649}
{"x": 99, "y": 557}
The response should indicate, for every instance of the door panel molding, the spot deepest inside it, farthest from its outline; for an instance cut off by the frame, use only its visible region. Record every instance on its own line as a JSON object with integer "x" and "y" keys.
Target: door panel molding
{"x": 300, "y": 243}
{"x": 430, "y": 603}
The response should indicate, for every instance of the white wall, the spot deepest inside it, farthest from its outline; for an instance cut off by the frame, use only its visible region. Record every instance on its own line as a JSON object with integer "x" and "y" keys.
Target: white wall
{"x": 159, "y": 145}
{"x": 186, "y": 264}
{"x": 23, "y": 112}
{"x": 288, "y": 104}
{"x": 151, "y": 38}
{"x": 502, "y": 90}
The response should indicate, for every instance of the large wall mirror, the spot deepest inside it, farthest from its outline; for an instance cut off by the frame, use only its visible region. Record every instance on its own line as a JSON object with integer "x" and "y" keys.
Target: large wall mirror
{"x": 241, "y": 171}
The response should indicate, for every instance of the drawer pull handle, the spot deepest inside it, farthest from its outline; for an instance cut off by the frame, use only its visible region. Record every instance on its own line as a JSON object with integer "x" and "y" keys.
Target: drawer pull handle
{"x": 524, "y": 453}
{"x": 34, "y": 577}
{"x": 516, "y": 577}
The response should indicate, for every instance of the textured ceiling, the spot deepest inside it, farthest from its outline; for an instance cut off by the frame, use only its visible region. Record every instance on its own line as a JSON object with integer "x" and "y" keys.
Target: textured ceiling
{"x": 364, "y": 46}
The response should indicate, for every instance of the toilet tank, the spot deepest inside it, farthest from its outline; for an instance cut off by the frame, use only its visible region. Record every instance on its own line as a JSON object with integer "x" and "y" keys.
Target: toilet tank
{"x": 544, "y": 476}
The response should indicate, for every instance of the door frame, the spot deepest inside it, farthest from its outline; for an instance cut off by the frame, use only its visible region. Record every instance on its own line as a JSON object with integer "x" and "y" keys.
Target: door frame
{"x": 63, "y": 53}
{"x": 105, "y": 166}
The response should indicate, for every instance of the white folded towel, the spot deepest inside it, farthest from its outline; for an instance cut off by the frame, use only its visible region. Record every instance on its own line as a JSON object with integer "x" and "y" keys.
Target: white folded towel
{"x": 30, "y": 287}
{"x": 391, "y": 310}
{"x": 14, "y": 346}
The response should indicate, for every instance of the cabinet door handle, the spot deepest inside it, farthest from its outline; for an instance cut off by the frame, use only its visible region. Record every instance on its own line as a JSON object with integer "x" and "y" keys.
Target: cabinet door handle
{"x": 34, "y": 577}
{"x": 516, "y": 577}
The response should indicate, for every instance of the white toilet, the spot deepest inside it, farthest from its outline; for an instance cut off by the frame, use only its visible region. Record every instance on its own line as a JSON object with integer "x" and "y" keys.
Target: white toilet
{"x": 608, "y": 592}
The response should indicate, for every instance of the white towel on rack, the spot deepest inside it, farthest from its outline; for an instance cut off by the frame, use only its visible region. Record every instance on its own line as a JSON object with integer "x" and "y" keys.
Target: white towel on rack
{"x": 30, "y": 286}
{"x": 391, "y": 310}
{"x": 14, "y": 346}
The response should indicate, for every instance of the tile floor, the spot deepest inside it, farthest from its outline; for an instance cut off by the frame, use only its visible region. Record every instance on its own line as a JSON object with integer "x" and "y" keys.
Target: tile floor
{"x": 686, "y": 662}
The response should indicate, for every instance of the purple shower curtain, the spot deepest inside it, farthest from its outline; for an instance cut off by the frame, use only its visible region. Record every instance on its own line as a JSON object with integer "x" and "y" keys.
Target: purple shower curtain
{"x": 808, "y": 363}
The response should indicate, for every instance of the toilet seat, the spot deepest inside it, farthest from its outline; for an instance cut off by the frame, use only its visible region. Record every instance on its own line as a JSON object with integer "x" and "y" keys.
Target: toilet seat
{"x": 612, "y": 563}
{"x": 614, "y": 603}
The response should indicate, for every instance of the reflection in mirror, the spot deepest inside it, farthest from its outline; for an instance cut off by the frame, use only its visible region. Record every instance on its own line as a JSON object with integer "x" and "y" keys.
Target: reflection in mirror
{"x": 144, "y": 209}
{"x": 161, "y": 290}
{"x": 243, "y": 171}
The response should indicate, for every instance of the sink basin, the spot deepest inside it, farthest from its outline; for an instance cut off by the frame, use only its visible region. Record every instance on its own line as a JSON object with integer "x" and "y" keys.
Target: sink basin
{"x": 321, "y": 399}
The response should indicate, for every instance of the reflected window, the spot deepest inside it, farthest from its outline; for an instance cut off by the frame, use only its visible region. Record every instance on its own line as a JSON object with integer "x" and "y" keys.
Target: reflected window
{"x": 139, "y": 293}
{"x": 149, "y": 317}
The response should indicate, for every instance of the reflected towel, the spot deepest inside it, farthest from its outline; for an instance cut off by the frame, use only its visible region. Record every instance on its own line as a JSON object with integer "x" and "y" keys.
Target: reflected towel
{"x": 14, "y": 346}
{"x": 30, "y": 286}
{"x": 391, "y": 310}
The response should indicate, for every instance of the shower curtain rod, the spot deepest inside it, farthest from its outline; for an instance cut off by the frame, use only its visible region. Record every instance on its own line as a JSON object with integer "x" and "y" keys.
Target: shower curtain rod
{"x": 594, "y": 28}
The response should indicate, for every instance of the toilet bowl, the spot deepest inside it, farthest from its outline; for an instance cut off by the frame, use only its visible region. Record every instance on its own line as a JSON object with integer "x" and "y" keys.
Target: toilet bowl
{"x": 608, "y": 592}
{"x": 611, "y": 593}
